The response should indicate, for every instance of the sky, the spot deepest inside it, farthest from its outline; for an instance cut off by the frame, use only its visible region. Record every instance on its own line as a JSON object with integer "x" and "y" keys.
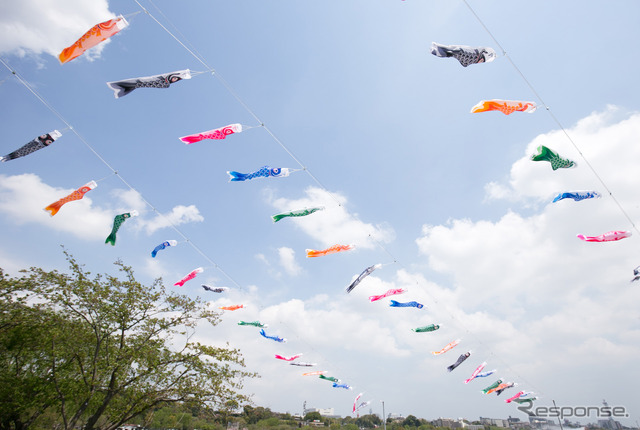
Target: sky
{"x": 447, "y": 201}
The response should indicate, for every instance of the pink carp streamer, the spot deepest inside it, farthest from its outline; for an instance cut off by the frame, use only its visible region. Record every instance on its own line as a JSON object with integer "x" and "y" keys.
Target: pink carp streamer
{"x": 293, "y": 357}
{"x": 512, "y": 398}
{"x": 391, "y": 292}
{"x": 609, "y": 236}
{"x": 475, "y": 372}
{"x": 189, "y": 277}
{"x": 216, "y": 134}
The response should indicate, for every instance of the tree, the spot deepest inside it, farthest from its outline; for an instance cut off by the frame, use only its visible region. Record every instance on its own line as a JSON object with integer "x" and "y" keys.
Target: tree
{"x": 411, "y": 421}
{"x": 315, "y": 415}
{"x": 368, "y": 421}
{"x": 105, "y": 350}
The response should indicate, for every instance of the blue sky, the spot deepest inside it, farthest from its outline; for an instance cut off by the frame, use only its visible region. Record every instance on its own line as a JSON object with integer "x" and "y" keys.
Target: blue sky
{"x": 406, "y": 173}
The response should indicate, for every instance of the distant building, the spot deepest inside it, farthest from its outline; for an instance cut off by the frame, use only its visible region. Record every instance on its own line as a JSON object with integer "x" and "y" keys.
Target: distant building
{"x": 395, "y": 417}
{"x": 453, "y": 424}
{"x": 327, "y": 412}
{"x": 609, "y": 424}
{"x": 324, "y": 412}
{"x": 496, "y": 422}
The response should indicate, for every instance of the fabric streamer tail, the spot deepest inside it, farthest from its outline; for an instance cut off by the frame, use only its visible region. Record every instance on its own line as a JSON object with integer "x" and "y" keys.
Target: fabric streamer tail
{"x": 237, "y": 176}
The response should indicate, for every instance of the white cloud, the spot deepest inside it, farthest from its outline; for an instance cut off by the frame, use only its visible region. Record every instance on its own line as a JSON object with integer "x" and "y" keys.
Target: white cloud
{"x": 23, "y": 198}
{"x": 48, "y": 26}
{"x": 179, "y": 215}
{"x": 336, "y": 225}
{"x": 530, "y": 277}
{"x": 288, "y": 261}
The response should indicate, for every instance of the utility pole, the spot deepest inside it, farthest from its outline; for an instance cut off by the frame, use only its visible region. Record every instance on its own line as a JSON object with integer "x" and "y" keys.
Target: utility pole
{"x": 384, "y": 417}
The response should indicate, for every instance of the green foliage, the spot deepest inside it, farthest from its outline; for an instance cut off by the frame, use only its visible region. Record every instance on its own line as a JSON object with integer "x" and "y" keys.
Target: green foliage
{"x": 350, "y": 426}
{"x": 95, "y": 353}
{"x": 411, "y": 421}
{"x": 313, "y": 416}
{"x": 368, "y": 421}
{"x": 253, "y": 415}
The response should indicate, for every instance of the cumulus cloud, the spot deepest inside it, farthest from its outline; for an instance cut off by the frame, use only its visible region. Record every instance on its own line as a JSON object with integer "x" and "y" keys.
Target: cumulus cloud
{"x": 48, "y": 26}
{"x": 529, "y": 274}
{"x": 336, "y": 224}
{"x": 288, "y": 261}
{"x": 178, "y": 215}
{"x": 23, "y": 197}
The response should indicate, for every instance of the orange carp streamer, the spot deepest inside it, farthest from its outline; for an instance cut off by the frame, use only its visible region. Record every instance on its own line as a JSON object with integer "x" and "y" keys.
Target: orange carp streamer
{"x": 98, "y": 33}
{"x": 53, "y": 208}
{"x": 231, "y": 308}
{"x": 505, "y": 106}
{"x": 331, "y": 250}
{"x": 447, "y": 347}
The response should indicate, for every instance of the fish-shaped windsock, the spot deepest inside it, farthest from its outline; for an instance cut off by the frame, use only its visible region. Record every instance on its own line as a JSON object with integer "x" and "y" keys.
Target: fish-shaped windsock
{"x": 557, "y": 162}
{"x": 345, "y": 386}
{"x": 459, "y": 361}
{"x": 189, "y": 277}
{"x": 331, "y": 250}
{"x": 53, "y": 208}
{"x": 427, "y": 328}
{"x": 215, "y": 289}
{"x": 124, "y": 87}
{"x": 515, "y": 396}
{"x": 507, "y": 107}
{"x": 362, "y": 405}
{"x": 276, "y": 338}
{"x": 476, "y": 372}
{"x": 577, "y": 195}
{"x": 215, "y": 134}
{"x": 232, "y": 308}
{"x": 502, "y": 387}
{"x": 98, "y": 33}
{"x": 253, "y": 323}
{"x": 366, "y": 272}
{"x": 117, "y": 222}
{"x": 609, "y": 236}
{"x": 162, "y": 246}
{"x": 485, "y": 374}
{"x": 390, "y": 292}
{"x": 412, "y": 304}
{"x": 37, "y": 143}
{"x": 293, "y": 357}
{"x": 447, "y": 347}
{"x": 492, "y": 386}
{"x": 636, "y": 274}
{"x": 329, "y": 378}
{"x": 314, "y": 373}
{"x": 520, "y": 400}
{"x": 296, "y": 213}
{"x": 466, "y": 55}
{"x": 304, "y": 364}
{"x": 264, "y": 172}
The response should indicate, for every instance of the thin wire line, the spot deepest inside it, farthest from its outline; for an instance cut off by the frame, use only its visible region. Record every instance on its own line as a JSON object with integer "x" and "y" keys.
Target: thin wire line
{"x": 115, "y": 172}
{"x": 290, "y": 153}
{"x": 555, "y": 119}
